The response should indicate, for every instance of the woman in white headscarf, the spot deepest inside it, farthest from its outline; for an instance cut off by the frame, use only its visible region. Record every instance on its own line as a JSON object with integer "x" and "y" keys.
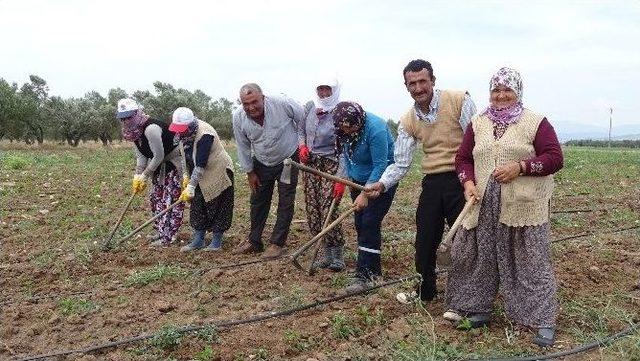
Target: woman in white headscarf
{"x": 316, "y": 148}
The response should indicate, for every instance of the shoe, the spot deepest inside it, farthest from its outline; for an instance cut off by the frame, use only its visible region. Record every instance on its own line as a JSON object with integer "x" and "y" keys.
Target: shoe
{"x": 337, "y": 259}
{"x": 407, "y": 298}
{"x": 545, "y": 337}
{"x": 246, "y": 247}
{"x": 453, "y": 316}
{"x": 216, "y": 242}
{"x": 160, "y": 243}
{"x": 154, "y": 236}
{"x": 325, "y": 260}
{"x": 356, "y": 284}
{"x": 273, "y": 251}
{"x": 197, "y": 242}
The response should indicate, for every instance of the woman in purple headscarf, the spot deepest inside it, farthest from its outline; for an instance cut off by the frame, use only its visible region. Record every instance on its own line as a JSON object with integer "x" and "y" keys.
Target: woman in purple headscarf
{"x": 506, "y": 163}
{"x": 158, "y": 161}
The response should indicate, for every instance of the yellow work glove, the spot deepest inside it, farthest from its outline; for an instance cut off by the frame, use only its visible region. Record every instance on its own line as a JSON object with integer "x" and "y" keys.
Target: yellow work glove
{"x": 185, "y": 181}
{"x": 139, "y": 183}
{"x": 188, "y": 193}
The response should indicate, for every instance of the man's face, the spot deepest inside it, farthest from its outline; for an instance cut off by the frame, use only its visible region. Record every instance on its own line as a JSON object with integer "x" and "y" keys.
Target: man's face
{"x": 253, "y": 104}
{"x": 420, "y": 85}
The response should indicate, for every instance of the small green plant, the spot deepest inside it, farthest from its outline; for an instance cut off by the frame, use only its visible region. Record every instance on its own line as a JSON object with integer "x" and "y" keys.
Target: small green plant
{"x": 157, "y": 273}
{"x": 339, "y": 280}
{"x": 208, "y": 334}
{"x": 295, "y": 341}
{"x": 464, "y": 324}
{"x": 293, "y": 298}
{"x": 15, "y": 162}
{"x": 261, "y": 354}
{"x": 167, "y": 338}
{"x": 75, "y": 306}
{"x": 45, "y": 259}
{"x": 207, "y": 354}
{"x": 370, "y": 319}
{"x": 343, "y": 327}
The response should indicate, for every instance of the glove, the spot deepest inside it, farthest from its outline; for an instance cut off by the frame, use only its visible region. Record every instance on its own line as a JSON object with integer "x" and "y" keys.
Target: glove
{"x": 338, "y": 190}
{"x": 185, "y": 181}
{"x": 188, "y": 193}
{"x": 303, "y": 153}
{"x": 139, "y": 183}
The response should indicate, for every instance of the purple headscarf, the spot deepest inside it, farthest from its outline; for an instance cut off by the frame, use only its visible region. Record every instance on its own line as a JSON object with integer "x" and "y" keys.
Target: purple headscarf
{"x": 511, "y": 79}
{"x": 348, "y": 114}
{"x": 133, "y": 126}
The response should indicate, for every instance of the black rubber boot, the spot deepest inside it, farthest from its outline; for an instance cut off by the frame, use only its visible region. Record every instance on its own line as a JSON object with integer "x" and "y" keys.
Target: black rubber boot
{"x": 337, "y": 259}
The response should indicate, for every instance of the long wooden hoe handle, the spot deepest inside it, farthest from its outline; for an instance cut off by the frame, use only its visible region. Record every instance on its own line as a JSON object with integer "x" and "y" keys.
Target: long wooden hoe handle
{"x": 117, "y": 225}
{"x": 133, "y": 233}
{"x": 320, "y": 235}
{"x": 325, "y": 175}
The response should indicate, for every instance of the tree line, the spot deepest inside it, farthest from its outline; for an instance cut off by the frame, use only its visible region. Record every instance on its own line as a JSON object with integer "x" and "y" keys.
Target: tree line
{"x": 28, "y": 113}
{"x": 604, "y": 143}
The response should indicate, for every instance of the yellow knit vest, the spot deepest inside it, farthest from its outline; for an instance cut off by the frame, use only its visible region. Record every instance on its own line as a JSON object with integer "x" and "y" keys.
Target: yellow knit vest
{"x": 214, "y": 179}
{"x": 440, "y": 139}
{"x": 525, "y": 200}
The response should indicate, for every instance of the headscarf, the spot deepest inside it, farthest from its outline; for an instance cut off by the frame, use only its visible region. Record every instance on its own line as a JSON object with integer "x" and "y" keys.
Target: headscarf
{"x": 189, "y": 135}
{"x": 133, "y": 126}
{"x": 511, "y": 79}
{"x": 325, "y": 105}
{"x": 348, "y": 114}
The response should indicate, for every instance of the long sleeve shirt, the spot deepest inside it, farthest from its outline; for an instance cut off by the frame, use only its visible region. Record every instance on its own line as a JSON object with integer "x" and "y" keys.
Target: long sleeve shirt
{"x": 317, "y": 132}
{"x": 548, "y": 158}
{"x": 198, "y": 165}
{"x": 371, "y": 155}
{"x": 273, "y": 141}
{"x": 405, "y": 144}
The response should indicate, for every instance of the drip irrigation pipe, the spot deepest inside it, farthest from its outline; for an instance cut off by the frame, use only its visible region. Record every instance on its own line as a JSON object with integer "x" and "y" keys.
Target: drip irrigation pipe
{"x": 225, "y": 324}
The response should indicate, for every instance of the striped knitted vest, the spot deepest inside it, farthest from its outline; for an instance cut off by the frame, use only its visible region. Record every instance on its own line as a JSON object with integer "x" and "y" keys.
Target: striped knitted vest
{"x": 525, "y": 200}
{"x": 215, "y": 179}
{"x": 440, "y": 139}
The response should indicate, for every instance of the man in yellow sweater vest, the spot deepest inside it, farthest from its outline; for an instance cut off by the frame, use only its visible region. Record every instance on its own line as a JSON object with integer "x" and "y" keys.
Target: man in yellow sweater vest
{"x": 438, "y": 120}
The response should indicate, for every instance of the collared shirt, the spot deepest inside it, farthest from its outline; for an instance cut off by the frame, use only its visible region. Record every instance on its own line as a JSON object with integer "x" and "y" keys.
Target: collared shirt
{"x": 405, "y": 144}
{"x": 318, "y": 132}
{"x": 275, "y": 140}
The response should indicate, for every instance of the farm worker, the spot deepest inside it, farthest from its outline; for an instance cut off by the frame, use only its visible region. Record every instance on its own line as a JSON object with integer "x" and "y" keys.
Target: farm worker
{"x": 158, "y": 160}
{"x": 210, "y": 188}
{"x": 266, "y": 132}
{"x": 506, "y": 160}
{"x": 365, "y": 146}
{"x": 437, "y": 120}
{"x": 316, "y": 148}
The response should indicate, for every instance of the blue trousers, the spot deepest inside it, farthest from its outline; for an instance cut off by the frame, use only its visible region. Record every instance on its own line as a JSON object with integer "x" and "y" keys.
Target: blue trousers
{"x": 368, "y": 223}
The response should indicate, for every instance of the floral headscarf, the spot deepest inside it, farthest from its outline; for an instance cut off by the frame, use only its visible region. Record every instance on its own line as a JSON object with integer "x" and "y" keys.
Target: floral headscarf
{"x": 348, "y": 114}
{"x": 511, "y": 79}
{"x": 189, "y": 135}
{"x": 133, "y": 126}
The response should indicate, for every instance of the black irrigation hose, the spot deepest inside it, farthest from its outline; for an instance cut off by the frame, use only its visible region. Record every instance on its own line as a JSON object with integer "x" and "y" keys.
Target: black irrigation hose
{"x": 576, "y": 350}
{"x": 593, "y": 233}
{"x": 226, "y": 324}
{"x": 574, "y": 211}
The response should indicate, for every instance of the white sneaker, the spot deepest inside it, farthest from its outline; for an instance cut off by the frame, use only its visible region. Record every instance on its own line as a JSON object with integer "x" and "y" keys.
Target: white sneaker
{"x": 407, "y": 298}
{"x": 452, "y": 316}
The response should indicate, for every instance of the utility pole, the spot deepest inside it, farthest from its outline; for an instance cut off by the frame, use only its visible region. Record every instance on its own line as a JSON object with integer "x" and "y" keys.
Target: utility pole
{"x": 610, "y": 122}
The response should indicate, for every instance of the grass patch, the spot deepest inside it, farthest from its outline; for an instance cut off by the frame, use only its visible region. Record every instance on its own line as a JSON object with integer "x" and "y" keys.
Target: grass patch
{"x": 344, "y": 327}
{"x": 168, "y": 338}
{"x": 155, "y": 274}
{"x": 76, "y": 306}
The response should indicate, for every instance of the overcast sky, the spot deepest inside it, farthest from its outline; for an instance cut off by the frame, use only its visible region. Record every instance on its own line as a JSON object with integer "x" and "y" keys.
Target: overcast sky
{"x": 577, "y": 58}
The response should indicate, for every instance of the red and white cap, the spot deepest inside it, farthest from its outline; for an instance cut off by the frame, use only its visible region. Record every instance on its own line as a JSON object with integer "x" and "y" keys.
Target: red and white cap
{"x": 181, "y": 119}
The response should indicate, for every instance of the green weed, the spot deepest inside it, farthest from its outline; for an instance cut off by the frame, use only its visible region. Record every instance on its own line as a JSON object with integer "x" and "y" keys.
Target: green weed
{"x": 157, "y": 273}
{"x": 75, "y": 306}
{"x": 168, "y": 338}
{"x": 343, "y": 327}
{"x": 207, "y": 354}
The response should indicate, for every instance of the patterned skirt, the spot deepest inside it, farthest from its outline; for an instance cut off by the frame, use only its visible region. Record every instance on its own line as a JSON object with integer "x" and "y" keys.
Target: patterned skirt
{"x": 514, "y": 261}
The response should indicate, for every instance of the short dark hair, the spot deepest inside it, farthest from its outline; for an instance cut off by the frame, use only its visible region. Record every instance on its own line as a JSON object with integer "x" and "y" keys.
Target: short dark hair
{"x": 416, "y": 66}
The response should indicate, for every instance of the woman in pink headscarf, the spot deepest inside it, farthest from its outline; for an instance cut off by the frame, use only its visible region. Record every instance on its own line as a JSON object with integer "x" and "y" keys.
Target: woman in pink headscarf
{"x": 506, "y": 163}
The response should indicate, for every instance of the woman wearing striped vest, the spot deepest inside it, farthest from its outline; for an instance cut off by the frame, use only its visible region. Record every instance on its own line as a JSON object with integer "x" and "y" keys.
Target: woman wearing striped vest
{"x": 506, "y": 161}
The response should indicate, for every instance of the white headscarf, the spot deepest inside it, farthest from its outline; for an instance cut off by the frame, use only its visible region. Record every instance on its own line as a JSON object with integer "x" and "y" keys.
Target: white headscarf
{"x": 327, "y": 104}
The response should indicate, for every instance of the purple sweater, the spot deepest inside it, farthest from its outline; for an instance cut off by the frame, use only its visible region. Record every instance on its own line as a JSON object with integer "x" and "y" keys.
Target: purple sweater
{"x": 548, "y": 159}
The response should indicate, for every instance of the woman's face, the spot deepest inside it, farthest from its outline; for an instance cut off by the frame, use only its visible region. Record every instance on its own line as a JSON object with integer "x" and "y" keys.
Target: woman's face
{"x": 503, "y": 97}
{"x": 346, "y": 129}
{"x": 324, "y": 91}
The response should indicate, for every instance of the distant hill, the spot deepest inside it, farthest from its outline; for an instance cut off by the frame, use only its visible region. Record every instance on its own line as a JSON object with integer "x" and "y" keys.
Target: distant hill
{"x": 572, "y": 131}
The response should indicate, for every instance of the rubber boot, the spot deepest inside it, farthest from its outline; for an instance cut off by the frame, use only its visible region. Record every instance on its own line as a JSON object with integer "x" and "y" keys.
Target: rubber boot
{"x": 325, "y": 259}
{"x": 197, "y": 242}
{"x": 337, "y": 259}
{"x": 216, "y": 242}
